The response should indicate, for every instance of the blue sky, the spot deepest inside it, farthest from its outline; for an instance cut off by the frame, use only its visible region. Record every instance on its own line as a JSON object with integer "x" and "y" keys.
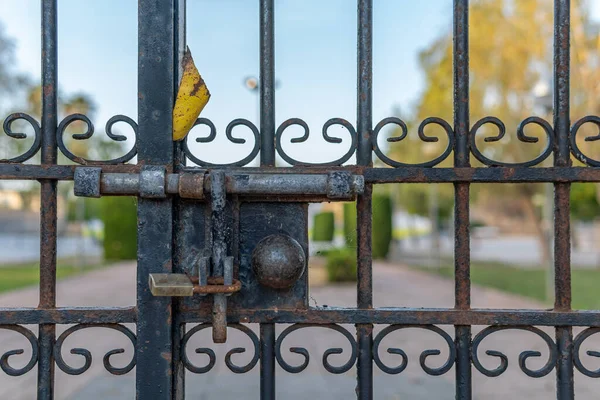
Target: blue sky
{"x": 315, "y": 58}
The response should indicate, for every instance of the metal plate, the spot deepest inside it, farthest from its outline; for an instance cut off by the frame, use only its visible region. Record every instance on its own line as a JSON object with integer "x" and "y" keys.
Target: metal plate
{"x": 256, "y": 220}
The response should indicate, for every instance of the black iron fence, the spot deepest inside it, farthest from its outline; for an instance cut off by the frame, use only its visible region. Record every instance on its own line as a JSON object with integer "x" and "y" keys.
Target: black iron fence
{"x": 161, "y": 336}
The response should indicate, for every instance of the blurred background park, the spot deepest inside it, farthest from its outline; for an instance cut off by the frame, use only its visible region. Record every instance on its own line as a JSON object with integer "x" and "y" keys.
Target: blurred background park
{"x": 511, "y": 225}
{"x": 511, "y": 78}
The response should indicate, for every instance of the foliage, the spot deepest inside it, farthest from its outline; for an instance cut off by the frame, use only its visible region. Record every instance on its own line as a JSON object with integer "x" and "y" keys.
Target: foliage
{"x": 350, "y": 224}
{"x": 381, "y": 228}
{"x": 341, "y": 265}
{"x": 119, "y": 215}
{"x": 382, "y": 225}
{"x": 324, "y": 227}
{"x": 10, "y": 80}
{"x": 415, "y": 199}
{"x": 91, "y": 208}
{"x": 584, "y": 202}
{"x": 510, "y": 62}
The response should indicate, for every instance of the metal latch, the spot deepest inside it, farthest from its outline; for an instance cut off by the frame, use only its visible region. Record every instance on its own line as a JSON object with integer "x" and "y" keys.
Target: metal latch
{"x": 154, "y": 182}
{"x": 214, "y": 274}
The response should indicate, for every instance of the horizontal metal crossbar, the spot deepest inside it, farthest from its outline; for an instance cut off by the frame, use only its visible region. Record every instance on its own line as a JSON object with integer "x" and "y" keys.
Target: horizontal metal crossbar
{"x": 371, "y": 175}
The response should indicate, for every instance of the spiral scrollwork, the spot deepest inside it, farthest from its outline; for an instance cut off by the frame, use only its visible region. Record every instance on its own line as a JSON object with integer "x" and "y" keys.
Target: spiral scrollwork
{"x": 229, "y": 133}
{"x": 88, "y": 356}
{"x": 422, "y": 358}
{"x": 545, "y": 370}
{"x": 304, "y": 352}
{"x": 583, "y": 335}
{"x": 37, "y": 140}
{"x": 521, "y": 135}
{"x": 4, "y": 364}
{"x": 422, "y": 136}
{"x": 89, "y": 132}
{"x": 329, "y": 139}
{"x": 592, "y": 119}
{"x": 228, "y": 357}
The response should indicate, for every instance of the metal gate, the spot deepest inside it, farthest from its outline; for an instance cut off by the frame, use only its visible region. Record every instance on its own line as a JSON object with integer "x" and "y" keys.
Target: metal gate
{"x": 224, "y": 246}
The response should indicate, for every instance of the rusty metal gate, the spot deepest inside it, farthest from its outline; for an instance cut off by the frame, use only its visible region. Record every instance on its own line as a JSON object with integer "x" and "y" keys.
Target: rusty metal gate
{"x": 222, "y": 246}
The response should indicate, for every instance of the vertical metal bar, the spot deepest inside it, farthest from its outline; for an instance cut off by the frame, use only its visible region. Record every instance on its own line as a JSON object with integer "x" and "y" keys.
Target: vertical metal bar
{"x": 267, "y": 361}
{"x": 267, "y": 158}
{"x": 48, "y": 193}
{"x": 562, "y": 230}
{"x": 364, "y": 124}
{"x": 180, "y": 46}
{"x": 219, "y": 252}
{"x": 364, "y": 293}
{"x": 178, "y": 231}
{"x": 365, "y": 82}
{"x": 156, "y": 72}
{"x": 462, "y": 251}
{"x": 267, "y": 83}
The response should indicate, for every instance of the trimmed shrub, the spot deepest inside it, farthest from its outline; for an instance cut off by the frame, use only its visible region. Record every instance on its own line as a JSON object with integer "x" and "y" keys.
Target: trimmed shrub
{"x": 382, "y": 225}
{"x": 91, "y": 208}
{"x": 341, "y": 265}
{"x": 324, "y": 227}
{"x": 350, "y": 224}
{"x": 119, "y": 215}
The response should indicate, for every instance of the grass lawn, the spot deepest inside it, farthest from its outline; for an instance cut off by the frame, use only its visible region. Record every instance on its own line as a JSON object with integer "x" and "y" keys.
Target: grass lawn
{"x": 531, "y": 282}
{"x": 18, "y": 276}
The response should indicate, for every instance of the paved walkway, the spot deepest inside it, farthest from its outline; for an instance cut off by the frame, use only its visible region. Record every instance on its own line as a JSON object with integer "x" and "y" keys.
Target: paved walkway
{"x": 394, "y": 286}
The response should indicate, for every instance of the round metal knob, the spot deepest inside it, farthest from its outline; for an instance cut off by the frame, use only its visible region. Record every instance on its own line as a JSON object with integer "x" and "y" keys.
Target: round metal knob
{"x": 278, "y": 261}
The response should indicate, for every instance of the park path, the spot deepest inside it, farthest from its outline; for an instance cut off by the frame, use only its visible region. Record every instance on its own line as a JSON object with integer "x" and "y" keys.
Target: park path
{"x": 393, "y": 286}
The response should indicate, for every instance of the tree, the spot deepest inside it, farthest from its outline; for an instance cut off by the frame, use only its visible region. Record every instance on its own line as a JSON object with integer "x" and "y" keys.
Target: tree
{"x": 11, "y": 82}
{"x": 510, "y": 54}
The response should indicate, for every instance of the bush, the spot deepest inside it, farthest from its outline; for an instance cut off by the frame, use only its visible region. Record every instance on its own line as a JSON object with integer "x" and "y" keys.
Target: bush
{"x": 91, "y": 208}
{"x": 324, "y": 227}
{"x": 382, "y": 225}
{"x": 341, "y": 265}
{"x": 350, "y": 224}
{"x": 584, "y": 202}
{"x": 119, "y": 215}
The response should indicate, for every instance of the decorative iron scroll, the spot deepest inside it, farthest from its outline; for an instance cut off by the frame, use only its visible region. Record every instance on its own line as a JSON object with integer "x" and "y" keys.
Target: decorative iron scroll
{"x": 304, "y": 352}
{"x": 4, "y": 364}
{"x": 326, "y": 136}
{"x": 229, "y": 133}
{"x": 422, "y": 358}
{"x": 88, "y": 356}
{"x": 37, "y": 140}
{"x": 422, "y": 136}
{"x": 521, "y": 135}
{"x": 448, "y": 130}
{"x": 545, "y": 370}
{"x": 576, "y": 355}
{"x": 211, "y": 354}
{"x": 575, "y": 148}
{"x": 64, "y": 124}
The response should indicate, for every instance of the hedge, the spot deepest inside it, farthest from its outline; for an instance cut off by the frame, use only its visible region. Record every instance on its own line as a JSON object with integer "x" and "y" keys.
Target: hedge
{"x": 341, "y": 265}
{"x": 381, "y": 228}
{"x": 324, "y": 227}
{"x": 382, "y": 225}
{"x": 119, "y": 215}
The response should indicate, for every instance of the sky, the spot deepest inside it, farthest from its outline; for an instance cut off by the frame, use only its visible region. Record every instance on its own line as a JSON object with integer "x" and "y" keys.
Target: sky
{"x": 315, "y": 60}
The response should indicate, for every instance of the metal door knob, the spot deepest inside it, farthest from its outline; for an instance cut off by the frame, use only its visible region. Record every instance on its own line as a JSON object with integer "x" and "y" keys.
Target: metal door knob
{"x": 278, "y": 261}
